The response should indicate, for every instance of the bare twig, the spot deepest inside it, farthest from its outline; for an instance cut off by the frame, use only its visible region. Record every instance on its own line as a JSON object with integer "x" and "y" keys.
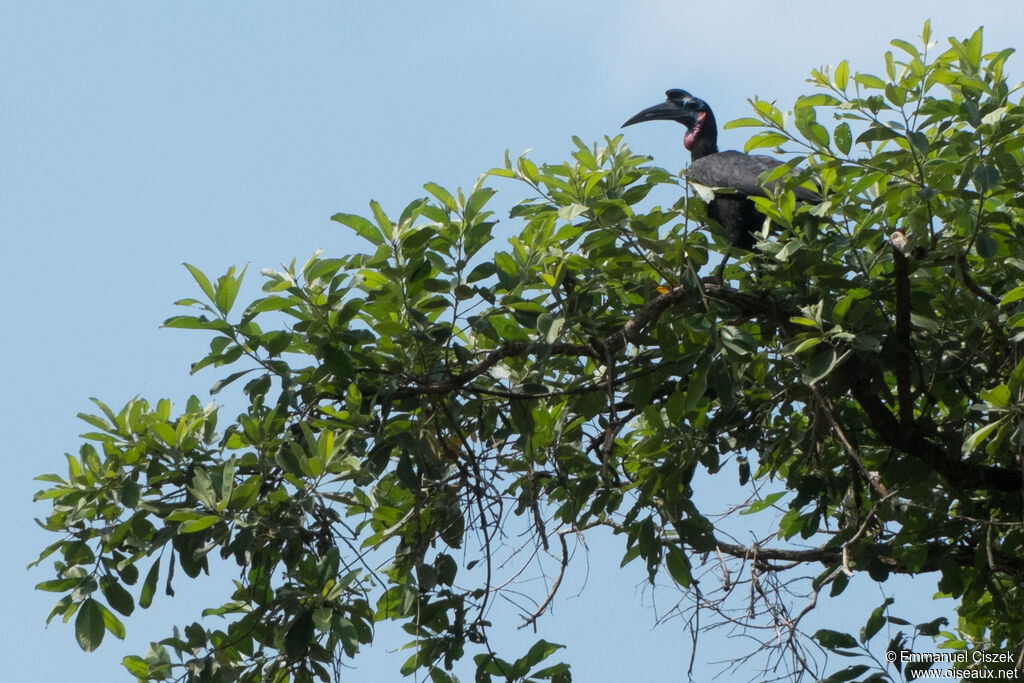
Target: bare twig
{"x": 532, "y": 619}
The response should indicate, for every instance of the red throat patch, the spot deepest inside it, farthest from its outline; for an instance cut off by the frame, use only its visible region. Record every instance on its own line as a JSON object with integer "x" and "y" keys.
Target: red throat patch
{"x": 691, "y": 133}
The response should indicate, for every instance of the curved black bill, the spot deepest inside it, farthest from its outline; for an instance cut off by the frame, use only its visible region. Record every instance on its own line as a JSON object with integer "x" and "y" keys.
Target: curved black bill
{"x": 665, "y": 111}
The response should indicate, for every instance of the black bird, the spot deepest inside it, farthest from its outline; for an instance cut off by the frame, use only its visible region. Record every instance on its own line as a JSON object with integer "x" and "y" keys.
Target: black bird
{"x": 735, "y": 170}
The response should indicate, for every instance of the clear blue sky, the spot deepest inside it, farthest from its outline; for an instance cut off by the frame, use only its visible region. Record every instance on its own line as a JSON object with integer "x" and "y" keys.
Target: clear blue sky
{"x": 138, "y": 135}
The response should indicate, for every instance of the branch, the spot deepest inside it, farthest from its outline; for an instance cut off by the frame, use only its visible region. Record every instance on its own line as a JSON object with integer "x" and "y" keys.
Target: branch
{"x": 965, "y": 274}
{"x": 856, "y": 374}
{"x": 508, "y": 350}
{"x": 598, "y": 350}
{"x": 854, "y": 456}
{"x": 532, "y": 619}
{"x": 904, "y": 348}
{"x": 964, "y": 556}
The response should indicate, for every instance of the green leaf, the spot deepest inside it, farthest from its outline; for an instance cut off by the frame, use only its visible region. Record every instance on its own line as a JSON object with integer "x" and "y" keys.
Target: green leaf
{"x": 136, "y": 666}
{"x": 202, "y": 281}
{"x": 537, "y": 653}
{"x": 973, "y": 50}
{"x": 835, "y": 639}
{"x": 678, "y": 566}
{"x": 481, "y": 272}
{"x": 149, "y": 585}
{"x": 199, "y": 524}
{"x": 895, "y": 94}
{"x": 820, "y": 366}
{"x": 842, "y": 75}
{"x": 869, "y": 81}
{"x": 202, "y": 487}
{"x": 971, "y": 442}
{"x": 986, "y": 177}
{"x": 299, "y": 637}
{"x": 506, "y": 264}
{"x": 58, "y": 585}
{"x": 182, "y": 515}
{"x": 919, "y": 141}
{"x": 89, "y": 626}
{"x": 190, "y": 322}
{"x": 697, "y": 385}
{"x": 568, "y": 213}
{"x": 220, "y": 384}
{"x": 99, "y": 423}
{"x": 875, "y": 622}
{"x": 848, "y": 674}
{"x": 227, "y": 290}
{"x": 111, "y": 623}
{"x": 766, "y": 139}
{"x": 816, "y": 100}
{"x": 766, "y": 502}
{"x": 905, "y": 46}
{"x": 362, "y": 227}
{"x": 549, "y": 327}
{"x": 804, "y": 321}
{"x": 266, "y": 305}
{"x": 769, "y": 111}
{"x": 746, "y": 122}
{"x": 843, "y": 138}
{"x": 442, "y": 196}
{"x": 347, "y": 633}
{"x": 876, "y": 133}
{"x": 999, "y": 396}
{"x": 387, "y": 228}
{"x": 244, "y": 495}
{"x": 118, "y": 597}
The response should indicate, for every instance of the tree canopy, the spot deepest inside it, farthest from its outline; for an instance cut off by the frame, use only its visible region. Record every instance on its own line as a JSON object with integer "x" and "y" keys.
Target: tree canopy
{"x": 858, "y": 379}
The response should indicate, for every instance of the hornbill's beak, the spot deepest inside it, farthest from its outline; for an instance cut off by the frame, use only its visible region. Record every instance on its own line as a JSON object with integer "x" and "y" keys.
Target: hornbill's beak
{"x": 666, "y": 111}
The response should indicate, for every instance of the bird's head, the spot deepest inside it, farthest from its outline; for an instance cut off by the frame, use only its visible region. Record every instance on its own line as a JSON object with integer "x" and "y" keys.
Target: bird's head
{"x": 684, "y": 108}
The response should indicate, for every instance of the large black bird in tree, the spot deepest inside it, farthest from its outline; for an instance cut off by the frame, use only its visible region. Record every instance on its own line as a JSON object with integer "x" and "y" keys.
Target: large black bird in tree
{"x": 736, "y": 171}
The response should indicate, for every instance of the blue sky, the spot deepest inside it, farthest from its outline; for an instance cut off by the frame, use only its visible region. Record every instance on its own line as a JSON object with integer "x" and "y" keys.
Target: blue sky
{"x": 138, "y": 135}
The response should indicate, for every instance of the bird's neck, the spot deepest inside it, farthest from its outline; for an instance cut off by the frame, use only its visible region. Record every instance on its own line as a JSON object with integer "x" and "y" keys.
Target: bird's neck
{"x": 702, "y": 139}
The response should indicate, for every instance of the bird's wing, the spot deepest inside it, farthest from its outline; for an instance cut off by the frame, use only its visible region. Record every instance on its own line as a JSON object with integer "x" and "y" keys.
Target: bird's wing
{"x": 740, "y": 172}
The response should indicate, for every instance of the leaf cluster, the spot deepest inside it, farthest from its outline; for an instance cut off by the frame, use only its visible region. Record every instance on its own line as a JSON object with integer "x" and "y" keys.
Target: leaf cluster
{"x": 415, "y": 411}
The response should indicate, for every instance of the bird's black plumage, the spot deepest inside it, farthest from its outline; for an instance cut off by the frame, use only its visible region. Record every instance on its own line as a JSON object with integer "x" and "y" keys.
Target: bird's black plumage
{"x": 737, "y": 171}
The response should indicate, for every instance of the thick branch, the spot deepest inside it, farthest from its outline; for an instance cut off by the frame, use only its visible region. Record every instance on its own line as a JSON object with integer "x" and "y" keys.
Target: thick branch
{"x": 965, "y": 274}
{"x": 598, "y": 350}
{"x": 508, "y": 350}
{"x": 856, "y": 374}
{"x": 904, "y": 348}
{"x": 965, "y": 557}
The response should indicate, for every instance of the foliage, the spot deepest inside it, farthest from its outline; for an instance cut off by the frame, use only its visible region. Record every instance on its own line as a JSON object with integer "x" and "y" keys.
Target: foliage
{"x": 408, "y": 408}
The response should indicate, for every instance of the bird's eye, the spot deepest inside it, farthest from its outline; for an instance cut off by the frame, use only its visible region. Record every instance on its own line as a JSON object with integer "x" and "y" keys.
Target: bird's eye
{"x": 692, "y": 104}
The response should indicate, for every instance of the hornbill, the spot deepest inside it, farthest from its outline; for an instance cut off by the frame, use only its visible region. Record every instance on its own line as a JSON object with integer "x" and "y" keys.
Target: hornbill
{"x": 739, "y": 172}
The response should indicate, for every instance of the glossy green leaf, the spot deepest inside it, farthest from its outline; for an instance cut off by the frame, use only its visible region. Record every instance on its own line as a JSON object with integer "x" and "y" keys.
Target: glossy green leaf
{"x": 979, "y": 435}
{"x": 200, "y": 524}
{"x": 202, "y": 281}
{"x": 842, "y": 74}
{"x": 842, "y": 137}
{"x": 762, "y": 140}
{"x": 149, "y": 585}
{"x": 361, "y": 227}
{"x": 89, "y": 626}
{"x": 118, "y": 597}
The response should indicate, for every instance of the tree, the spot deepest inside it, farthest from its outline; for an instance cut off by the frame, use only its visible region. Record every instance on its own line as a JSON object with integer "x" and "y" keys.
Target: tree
{"x": 408, "y": 408}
